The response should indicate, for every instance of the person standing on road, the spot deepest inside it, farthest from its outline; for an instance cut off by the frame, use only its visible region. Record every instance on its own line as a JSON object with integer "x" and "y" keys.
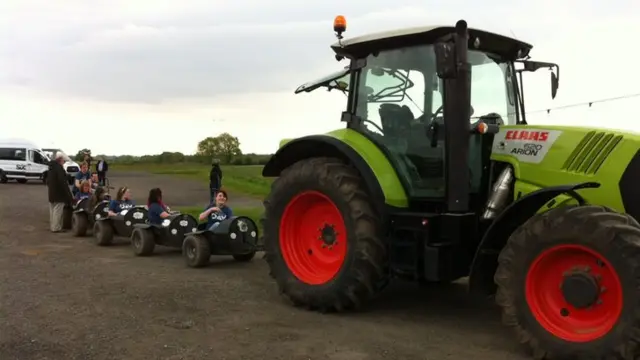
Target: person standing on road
{"x": 59, "y": 193}
{"x": 101, "y": 168}
{"x": 215, "y": 180}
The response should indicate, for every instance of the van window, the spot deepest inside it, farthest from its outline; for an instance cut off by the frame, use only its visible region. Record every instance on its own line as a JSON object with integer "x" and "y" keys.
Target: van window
{"x": 13, "y": 154}
{"x": 38, "y": 158}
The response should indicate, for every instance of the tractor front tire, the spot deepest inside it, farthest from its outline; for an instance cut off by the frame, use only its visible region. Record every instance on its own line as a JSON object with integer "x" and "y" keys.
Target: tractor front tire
{"x": 322, "y": 238}
{"x": 569, "y": 284}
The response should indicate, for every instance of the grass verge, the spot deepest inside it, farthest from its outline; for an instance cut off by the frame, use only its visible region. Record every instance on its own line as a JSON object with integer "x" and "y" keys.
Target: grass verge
{"x": 242, "y": 180}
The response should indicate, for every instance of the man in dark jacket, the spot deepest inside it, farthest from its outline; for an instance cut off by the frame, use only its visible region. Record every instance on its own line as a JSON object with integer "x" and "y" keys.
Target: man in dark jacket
{"x": 101, "y": 168}
{"x": 59, "y": 192}
{"x": 215, "y": 179}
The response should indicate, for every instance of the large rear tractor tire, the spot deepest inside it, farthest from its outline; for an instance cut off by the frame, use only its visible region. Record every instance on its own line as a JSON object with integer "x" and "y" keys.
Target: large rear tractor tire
{"x": 322, "y": 238}
{"x": 569, "y": 284}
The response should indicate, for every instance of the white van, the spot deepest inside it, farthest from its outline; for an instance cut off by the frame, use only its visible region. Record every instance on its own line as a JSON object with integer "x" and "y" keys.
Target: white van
{"x": 22, "y": 160}
{"x": 70, "y": 167}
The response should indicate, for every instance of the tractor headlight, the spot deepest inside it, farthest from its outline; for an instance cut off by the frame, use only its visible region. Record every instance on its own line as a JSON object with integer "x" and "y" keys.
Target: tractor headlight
{"x": 166, "y": 222}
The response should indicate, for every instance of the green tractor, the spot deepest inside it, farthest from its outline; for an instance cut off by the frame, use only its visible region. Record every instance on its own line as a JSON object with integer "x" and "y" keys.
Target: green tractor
{"x": 437, "y": 176}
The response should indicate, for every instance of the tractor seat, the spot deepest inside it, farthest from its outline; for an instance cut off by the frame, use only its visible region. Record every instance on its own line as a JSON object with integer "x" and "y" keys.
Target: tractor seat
{"x": 395, "y": 119}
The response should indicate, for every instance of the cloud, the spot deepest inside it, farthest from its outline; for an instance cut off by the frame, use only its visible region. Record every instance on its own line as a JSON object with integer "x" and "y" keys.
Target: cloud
{"x": 163, "y": 51}
{"x": 157, "y": 51}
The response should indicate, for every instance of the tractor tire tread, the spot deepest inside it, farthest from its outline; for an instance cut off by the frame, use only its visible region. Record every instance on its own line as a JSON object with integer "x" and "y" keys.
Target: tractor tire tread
{"x": 368, "y": 270}
{"x": 601, "y": 226}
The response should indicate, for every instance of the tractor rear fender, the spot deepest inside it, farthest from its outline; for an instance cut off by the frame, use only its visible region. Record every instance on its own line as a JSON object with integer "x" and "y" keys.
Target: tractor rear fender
{"x": 325, "y": 146}
{"x": 485, "y": 261}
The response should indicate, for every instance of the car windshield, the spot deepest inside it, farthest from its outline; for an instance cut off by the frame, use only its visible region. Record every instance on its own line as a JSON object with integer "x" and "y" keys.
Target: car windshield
{"x": 52, "y": 152}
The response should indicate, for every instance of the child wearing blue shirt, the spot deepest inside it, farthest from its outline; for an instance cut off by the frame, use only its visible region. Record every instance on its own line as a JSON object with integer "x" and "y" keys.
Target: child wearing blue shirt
{"x": 122, "y": 202}
{"x": 84, "y": 192}
{"x": 158, "y": 211}
{"x": 216, "y": 211}
{"x": 82, "y": 175}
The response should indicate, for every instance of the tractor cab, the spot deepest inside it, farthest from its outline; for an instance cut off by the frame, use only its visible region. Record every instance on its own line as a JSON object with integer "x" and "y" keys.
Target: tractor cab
{"x": 427, "y": 121}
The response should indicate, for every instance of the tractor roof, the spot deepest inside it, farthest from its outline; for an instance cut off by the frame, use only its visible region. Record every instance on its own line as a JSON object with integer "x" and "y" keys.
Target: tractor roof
{"x": 362, "y": 45}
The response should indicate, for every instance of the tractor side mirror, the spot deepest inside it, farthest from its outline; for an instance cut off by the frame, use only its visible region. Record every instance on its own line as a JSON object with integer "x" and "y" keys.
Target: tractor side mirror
{"x": 445, "y": 60}
{"x": 554, "y": 85}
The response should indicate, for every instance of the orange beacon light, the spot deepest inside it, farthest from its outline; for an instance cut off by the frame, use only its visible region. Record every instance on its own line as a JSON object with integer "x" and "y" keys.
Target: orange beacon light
{"x": 339, "y": 25}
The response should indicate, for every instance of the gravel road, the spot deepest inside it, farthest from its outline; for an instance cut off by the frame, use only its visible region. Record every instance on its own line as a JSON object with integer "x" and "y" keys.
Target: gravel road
{"x": 64, "y": 298}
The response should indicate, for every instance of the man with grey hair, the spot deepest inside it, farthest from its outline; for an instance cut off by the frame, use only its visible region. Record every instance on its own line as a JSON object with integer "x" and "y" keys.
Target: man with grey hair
{"x": 59, "y": 192}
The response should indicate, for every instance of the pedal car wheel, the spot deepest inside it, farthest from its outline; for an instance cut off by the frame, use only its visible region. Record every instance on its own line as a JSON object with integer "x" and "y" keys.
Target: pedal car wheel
{"x": 143, "y": 242}
{"x": 196, "y": 251}
{"x": 79, "y": 224}
{"x": 103, "y": 233}
{"x": 244, "y": 257}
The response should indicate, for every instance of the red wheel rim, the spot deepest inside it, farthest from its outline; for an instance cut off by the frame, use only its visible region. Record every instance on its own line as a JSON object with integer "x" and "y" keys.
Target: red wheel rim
{"x": 549, "y": 306}
{"x": 305, "y": 252}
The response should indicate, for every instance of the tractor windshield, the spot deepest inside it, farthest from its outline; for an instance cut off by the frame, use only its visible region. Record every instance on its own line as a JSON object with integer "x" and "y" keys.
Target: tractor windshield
{"x": 400, "y": 97}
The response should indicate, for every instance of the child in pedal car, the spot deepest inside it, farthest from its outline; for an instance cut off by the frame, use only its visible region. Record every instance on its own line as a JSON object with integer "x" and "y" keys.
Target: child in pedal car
{"x": 158, "y": 211}
{"x": 217, "y": 211}
{"x": 122, "y": 201}
{"x": 84, "y": 192}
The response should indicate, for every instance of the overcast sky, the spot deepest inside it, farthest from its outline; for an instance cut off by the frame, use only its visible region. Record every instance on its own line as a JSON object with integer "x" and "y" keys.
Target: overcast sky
{"x": 150, "y": 76}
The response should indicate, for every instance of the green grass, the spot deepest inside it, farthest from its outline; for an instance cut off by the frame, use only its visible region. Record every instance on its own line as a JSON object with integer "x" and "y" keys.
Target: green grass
{"x": 254, "y": 213}
{"x": 245, "y": 180}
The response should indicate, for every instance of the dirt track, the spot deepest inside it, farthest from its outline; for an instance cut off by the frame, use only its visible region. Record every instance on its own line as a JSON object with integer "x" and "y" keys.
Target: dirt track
{"x": 65, "y": 298}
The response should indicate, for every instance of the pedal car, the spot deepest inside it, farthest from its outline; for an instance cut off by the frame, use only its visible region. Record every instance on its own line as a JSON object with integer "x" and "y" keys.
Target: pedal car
{"x": 106, "y": 227}
{"x": 236, "y": 236}
{"x": 83, "y": 218}
{"x": 171, "y": 233}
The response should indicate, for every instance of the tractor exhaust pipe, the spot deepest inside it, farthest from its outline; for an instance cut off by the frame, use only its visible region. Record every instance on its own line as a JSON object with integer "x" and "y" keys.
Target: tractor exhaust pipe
{"x": 500, "y": 194}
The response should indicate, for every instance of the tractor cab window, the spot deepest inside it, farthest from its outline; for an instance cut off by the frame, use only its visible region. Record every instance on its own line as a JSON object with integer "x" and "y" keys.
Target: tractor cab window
{"x": 394, "y": 97}
{"x": 399, "y": 102}
{"x": 492, "y": 89}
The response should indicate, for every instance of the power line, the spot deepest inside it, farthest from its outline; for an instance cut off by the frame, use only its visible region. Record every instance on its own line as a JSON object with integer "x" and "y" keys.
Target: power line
{"x": 588, "y": 103}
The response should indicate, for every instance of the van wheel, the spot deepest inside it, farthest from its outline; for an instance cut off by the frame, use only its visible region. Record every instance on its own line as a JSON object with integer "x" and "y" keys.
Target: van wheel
{"x": 3, "y": 178}
{"x": 21, "y": 181}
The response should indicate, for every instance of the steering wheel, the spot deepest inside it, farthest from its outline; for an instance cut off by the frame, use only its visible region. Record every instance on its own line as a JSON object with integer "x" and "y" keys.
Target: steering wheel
{"x": 374, "y": 125}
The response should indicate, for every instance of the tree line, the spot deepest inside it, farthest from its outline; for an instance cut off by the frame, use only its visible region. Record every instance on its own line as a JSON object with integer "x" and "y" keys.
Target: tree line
{"x": 223, "y": 147}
